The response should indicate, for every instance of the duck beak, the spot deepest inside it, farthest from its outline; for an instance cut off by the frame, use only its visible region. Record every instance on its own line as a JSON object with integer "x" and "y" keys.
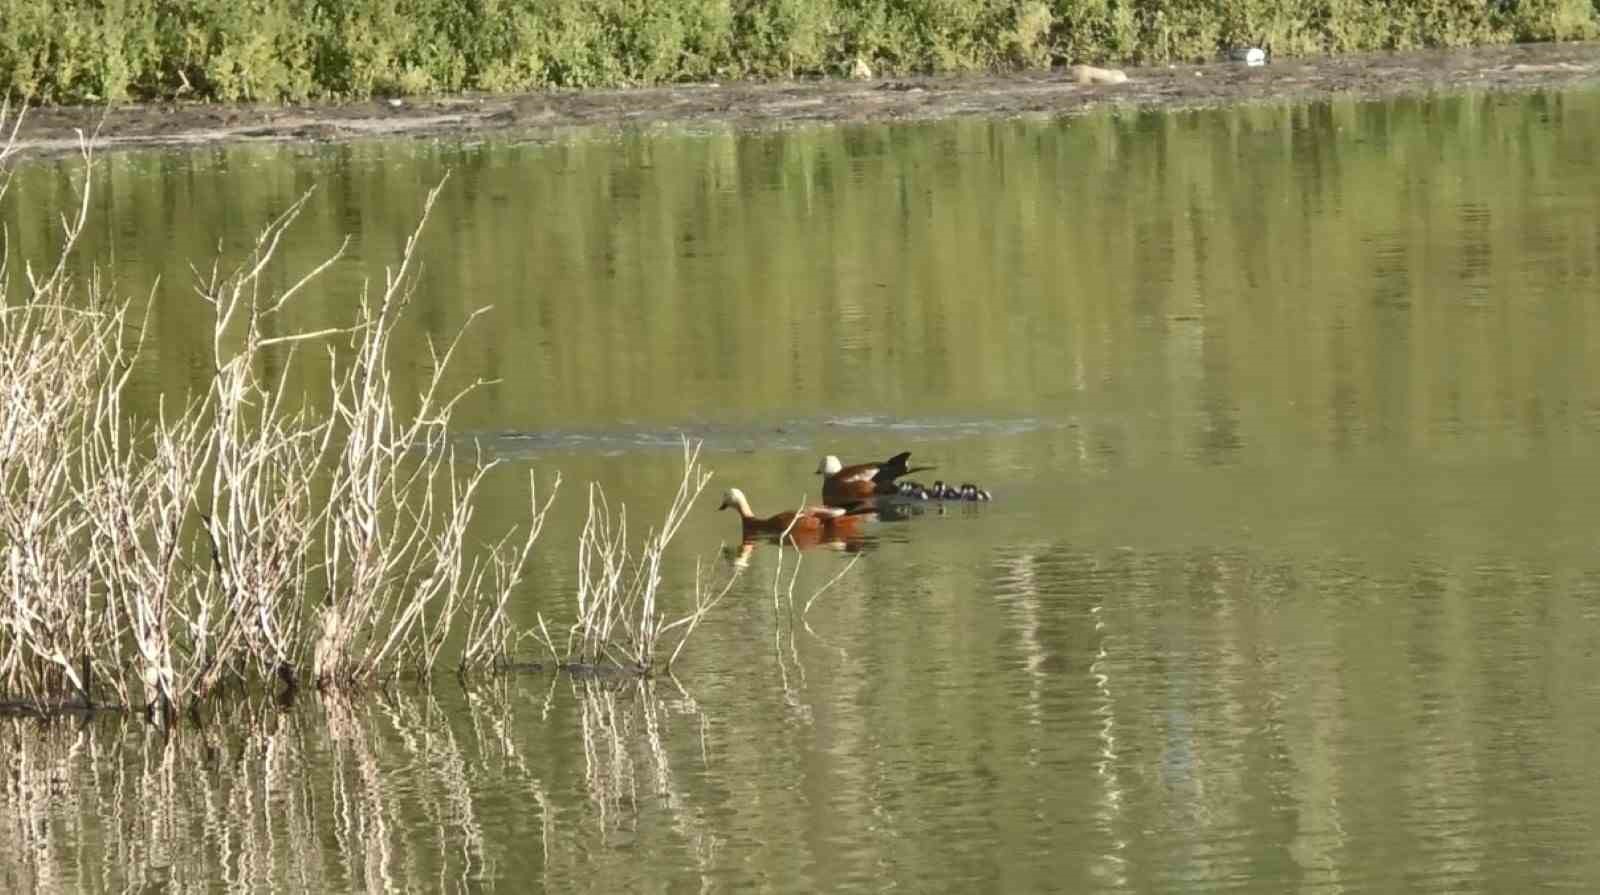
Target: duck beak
{"x": 723, "y": 506}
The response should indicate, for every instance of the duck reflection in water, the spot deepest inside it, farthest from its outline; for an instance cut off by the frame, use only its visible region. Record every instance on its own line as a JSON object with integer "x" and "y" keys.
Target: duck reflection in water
{"x": 856, "y": 542}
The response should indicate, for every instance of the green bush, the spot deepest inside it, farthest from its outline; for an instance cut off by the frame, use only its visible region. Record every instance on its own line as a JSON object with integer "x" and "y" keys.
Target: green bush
{"x": 231, "y": 50}
{"x": 262, "y": 50}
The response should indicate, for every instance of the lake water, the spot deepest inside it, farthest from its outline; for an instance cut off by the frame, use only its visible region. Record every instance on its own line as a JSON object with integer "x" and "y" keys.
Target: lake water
{"x": 1289, "y": 584}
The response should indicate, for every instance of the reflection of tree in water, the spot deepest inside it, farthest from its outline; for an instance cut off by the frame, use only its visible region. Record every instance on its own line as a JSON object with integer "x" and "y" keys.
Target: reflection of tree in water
{"x": 624, "y": 725}
{"x": 373, "y": 793}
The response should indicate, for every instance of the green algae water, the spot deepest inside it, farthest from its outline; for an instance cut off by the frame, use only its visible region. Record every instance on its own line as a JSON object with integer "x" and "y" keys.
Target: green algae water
{"x": 1289, "y": 583}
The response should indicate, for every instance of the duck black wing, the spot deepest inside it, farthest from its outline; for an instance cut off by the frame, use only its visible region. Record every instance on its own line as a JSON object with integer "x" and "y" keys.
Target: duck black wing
{"x": 895, "y": 467}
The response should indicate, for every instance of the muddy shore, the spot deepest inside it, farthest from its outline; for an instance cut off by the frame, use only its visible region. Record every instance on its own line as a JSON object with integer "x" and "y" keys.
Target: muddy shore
{"x": 52, "y": 130}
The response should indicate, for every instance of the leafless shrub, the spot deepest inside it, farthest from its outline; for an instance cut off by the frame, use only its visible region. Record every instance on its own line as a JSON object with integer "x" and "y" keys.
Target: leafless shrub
{"x": 245, "y": 534}
{"x": 60, "y": 363}
{"x": 250, "y": 532}
{"x": 618, "y": 621}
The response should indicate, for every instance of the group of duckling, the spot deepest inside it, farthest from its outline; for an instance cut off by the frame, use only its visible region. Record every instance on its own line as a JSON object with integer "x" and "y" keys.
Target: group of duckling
{"x": 940, "y": 491}
{"x": 850, "y": 495}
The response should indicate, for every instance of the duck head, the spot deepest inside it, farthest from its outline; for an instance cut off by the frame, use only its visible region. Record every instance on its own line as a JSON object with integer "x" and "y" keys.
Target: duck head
{"x": 829, "y": 465}
{"x": 734, "y": 498}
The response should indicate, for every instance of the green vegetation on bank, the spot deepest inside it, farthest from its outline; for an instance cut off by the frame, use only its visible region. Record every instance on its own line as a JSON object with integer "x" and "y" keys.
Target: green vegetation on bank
{"x": 107, "y": 50}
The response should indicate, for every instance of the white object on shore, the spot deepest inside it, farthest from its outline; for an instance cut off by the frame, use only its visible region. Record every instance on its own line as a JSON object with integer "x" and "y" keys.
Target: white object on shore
{"x": 1249, "y": 55}
{"x": 861, "y": 71}
{"x": 1088, "y": 74}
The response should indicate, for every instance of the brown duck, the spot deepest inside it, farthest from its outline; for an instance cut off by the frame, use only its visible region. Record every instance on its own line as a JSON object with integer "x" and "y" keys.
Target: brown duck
{"x": 846, "y": 485}
{"x": 805, "y": 523}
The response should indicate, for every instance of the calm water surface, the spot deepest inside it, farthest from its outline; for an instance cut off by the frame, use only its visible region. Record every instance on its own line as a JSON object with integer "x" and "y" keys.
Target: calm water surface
{"x": 1291, "y": 415}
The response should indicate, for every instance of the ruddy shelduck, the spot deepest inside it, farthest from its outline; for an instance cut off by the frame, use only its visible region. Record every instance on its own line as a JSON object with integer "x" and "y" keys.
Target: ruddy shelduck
{"x": 804, "y": 522}
{"x": 862, "y": 481}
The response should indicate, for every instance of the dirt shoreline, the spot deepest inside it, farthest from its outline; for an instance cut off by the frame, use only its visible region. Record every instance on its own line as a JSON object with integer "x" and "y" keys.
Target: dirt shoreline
{"x": 52, "y": 130}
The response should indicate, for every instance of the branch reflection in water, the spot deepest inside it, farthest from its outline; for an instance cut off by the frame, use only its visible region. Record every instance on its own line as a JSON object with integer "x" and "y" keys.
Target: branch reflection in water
{"x": 404, "y": 786}
{"x": 790, "y": 614}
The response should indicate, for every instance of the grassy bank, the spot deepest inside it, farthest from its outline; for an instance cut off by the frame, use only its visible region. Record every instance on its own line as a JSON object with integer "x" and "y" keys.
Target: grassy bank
{"x": 108, "y": 50}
